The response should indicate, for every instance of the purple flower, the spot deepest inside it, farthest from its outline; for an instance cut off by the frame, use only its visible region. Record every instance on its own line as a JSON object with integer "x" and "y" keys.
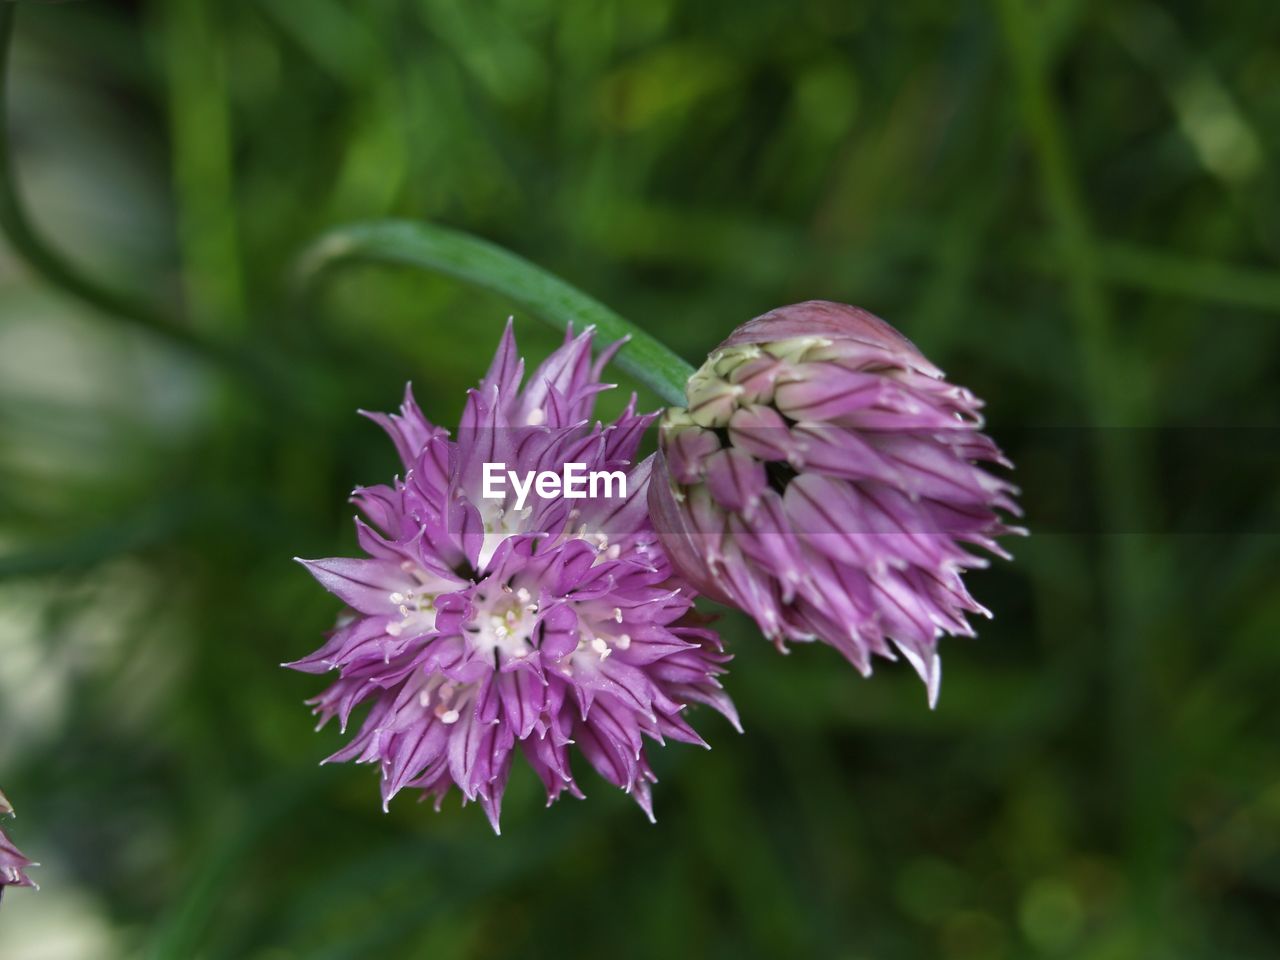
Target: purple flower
{"x": 477, "y": 625}
{"x": 13, "y": 865}
{"x": 823, "y": 479}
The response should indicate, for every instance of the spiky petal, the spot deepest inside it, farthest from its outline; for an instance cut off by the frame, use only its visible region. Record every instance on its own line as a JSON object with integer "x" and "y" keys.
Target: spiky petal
{"x": 823, "y": 479}
{"x": 476, "y": 629}
{"x": 13, "y": 865}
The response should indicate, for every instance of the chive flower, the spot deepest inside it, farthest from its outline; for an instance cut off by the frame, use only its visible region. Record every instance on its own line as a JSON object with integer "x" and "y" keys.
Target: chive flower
{"x": 824, "y": 478}
{"x": 477, "y": 627}
{"x": 13, "y": 865}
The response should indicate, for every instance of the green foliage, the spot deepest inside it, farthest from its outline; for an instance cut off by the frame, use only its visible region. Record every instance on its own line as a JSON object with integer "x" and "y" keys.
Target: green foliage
{"x": 1074, "y": 209}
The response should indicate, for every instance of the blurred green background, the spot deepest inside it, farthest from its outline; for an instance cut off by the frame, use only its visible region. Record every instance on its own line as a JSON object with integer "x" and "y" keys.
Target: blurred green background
{"x": 1072, "y": 207}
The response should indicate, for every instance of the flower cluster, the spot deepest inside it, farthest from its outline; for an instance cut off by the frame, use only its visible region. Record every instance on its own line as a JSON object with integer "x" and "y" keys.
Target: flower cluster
{"x": 823, "y": 478}
{"x": 475, "y": 628}
{"x": 13, "y": 865}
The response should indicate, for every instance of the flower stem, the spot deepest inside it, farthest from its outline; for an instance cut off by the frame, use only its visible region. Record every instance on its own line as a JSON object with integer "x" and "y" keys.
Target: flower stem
{"x": 49, "y": 264}
{"x": 33, "y": 249}
{"x": 1122, "y": 477}
{"x": 483, "y": 264}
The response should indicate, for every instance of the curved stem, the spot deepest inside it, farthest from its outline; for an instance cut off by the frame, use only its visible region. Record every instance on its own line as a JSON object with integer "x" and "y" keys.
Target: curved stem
{"x": 485, "y": 265}
{"x": 47, "y": 262}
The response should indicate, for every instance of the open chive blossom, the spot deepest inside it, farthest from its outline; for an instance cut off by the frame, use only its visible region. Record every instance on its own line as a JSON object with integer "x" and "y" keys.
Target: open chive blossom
{"x": 13, "y": 865}
{"x": 824, "y": 478}
{"x": 476, "y": 628}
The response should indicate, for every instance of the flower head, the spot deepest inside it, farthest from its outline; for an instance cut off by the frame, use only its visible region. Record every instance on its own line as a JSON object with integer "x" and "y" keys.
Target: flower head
{"x": 13, "y": 865}
{"x": 479, "y": 625}
{"x": 823, "y": 479}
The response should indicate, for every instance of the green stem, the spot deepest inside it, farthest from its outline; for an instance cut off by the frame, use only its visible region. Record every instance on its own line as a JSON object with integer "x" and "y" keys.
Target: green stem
{"x": 257, "y": 370}
{"x": 42, "y": 258}
{"x": 201, "y": 140}
{"x": 490, "y": 267}
{"x": 1121, "y": 477}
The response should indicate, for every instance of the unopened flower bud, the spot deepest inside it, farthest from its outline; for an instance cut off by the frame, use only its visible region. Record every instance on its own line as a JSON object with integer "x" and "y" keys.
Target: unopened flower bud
{"x": 824, "y": 478}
